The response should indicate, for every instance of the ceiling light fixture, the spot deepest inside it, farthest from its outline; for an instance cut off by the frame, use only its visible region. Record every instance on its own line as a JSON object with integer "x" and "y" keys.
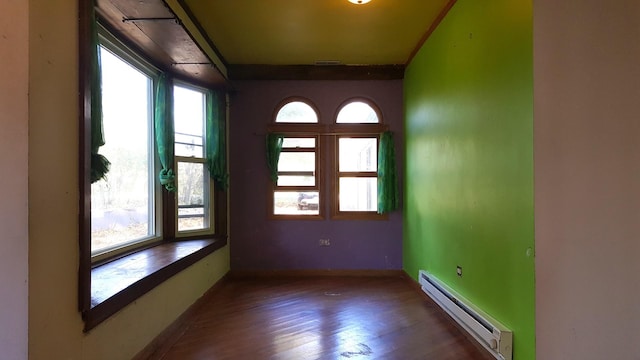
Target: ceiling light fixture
{"x": 359, "y": 2}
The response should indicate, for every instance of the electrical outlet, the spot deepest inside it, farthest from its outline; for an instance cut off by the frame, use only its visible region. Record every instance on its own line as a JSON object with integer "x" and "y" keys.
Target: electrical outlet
{"x": 459, "y": 270}
{"x": 325, "y": 242}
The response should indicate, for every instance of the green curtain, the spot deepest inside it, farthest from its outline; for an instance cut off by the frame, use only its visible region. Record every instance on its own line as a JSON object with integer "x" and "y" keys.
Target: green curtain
{"x": 274, "y": 147}
{"x": 99, "y": 164}
{"x": 163, "y": 121}
{"x": 388, "y": 198}
{"x": 215, "y": 138}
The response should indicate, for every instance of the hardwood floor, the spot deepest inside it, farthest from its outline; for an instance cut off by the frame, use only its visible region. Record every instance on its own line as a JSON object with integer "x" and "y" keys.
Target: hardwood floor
{"x": 292, "y": 318}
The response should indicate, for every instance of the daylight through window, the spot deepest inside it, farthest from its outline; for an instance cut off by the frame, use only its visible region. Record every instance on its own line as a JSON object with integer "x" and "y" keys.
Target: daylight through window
{"x": 297, "y": 190}
{"x": 193, "y": 195}
{"x": 123, "y": 206}
{"x": 351, "y": 163}
{"x": 356, "y": 169}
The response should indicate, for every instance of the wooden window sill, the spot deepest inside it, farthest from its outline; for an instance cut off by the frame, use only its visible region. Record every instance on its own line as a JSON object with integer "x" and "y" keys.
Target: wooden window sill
{"x": 357, "y": 215}
{"x": 117, "y": 283}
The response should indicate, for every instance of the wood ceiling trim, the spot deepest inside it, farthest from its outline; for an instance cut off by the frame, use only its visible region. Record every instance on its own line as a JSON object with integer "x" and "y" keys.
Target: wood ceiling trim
{"x": 166, "y": 43}
{"x": 431, "y": 29}
{"x": 172, "y": 47}
{"x": 111, "y": 17}
{"x": 138, "y": 9}
{"x": 202, "y": 74}
{"x": 198, "y": 34}
{"x": 166, "y": 34}
{"x": 315, "y": 72}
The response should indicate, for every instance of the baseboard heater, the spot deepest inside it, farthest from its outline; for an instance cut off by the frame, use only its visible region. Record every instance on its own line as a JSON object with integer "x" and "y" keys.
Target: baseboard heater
{"x": 492, "y": 335}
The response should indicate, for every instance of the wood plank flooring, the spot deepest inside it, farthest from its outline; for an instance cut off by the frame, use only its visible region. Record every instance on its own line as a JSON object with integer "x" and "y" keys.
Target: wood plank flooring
{"x": 290, "y": 318}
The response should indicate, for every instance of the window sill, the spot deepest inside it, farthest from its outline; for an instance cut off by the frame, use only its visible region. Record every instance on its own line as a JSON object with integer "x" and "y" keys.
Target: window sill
{"x": 359, "y": 215}
{"x": 117, "y": 283}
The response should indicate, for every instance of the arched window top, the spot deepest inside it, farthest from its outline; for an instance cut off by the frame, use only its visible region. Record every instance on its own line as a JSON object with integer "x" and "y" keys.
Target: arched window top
{"x": 296, "y": 111}
{"x": 358, "y": 111}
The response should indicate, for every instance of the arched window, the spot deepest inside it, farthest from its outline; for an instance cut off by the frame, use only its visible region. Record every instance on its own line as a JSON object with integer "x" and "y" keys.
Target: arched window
{"x": 294, "y": 151}
{"x": 296, "y": 112}
{"x": 294, "y": 138}
{"x": 357, "y": 112}
{"x": 357, "y": 136}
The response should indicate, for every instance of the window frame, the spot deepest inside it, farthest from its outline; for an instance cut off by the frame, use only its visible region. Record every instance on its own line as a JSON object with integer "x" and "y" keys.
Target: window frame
{"x": 211, "y": 229}
{"x": 165, "y": 257}
{"x": 209, "y": 211}
{"x": 121, "y": 51}
{"x": 299, "y": 130}
{"x": 353, "y": 130}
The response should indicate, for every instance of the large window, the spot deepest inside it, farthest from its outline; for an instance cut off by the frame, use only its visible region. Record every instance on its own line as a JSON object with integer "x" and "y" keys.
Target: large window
{"x": 296, "y": 192}
{"x": 124, "y": 204}
{"x": 152, "y": 172}
{"x": 129, "y": 207}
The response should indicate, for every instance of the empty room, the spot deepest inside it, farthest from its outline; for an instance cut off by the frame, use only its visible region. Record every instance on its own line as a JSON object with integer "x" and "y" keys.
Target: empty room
{"x": 335, "y": 179}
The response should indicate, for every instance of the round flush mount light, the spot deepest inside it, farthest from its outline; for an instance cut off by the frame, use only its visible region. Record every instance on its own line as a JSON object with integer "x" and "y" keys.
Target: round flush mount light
{"x": 359, "y": 2}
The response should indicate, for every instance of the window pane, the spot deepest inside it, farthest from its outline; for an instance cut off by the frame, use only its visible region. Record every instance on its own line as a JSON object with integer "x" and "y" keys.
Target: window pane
{"x": 357, "y": 112}
{"x": 296, "y": 203}
{"x": 193, "y": 196}
{"x": 296, "y": 112}
{"x": 299, "y": 143}
{"x": 359, "y": 194}
{"x": 188, "y": 145}
{"x": 188, "y": 121}
{"x": 297, "y": 161}
{"x": 358, "y": 154}
{"x": 122, "y": 205}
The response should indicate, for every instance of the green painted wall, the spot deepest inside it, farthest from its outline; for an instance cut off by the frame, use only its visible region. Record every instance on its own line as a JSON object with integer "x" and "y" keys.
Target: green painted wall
{"x": 469, "y": 161}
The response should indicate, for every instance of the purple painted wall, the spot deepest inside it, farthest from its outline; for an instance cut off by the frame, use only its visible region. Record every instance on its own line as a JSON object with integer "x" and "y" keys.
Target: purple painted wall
{"x": 260, "y": 243}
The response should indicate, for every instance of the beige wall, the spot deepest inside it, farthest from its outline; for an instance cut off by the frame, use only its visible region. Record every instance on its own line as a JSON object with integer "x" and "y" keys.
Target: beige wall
{"x": 14, "y": 116}
{"x": 587, "y": 178}
{"x": 55, "y": 325}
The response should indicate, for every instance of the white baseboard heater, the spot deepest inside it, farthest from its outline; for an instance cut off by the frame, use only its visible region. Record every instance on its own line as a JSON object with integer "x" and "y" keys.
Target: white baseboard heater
{"x": 495, "y": 337}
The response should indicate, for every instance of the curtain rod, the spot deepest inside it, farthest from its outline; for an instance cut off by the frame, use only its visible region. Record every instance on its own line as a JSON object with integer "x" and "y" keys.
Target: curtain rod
{"x": 319, "y": 133}
{"x": 124, "y": 20}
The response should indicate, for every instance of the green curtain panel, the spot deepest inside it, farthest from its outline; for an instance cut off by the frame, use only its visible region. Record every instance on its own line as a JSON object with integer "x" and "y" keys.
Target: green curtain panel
{"x": 99, "y": 164}
{"x": 216, "y": 151}
{"x": 163, "y": 121}
{"x": 274, "y": 147}
{"x": 388, "y": 198}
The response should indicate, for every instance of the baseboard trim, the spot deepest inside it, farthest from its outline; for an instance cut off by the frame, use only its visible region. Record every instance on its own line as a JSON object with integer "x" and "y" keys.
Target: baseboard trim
{"x": 239, "y": 274}
{"x": 161, "y": 344}
{"x": 418, "y": 288}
